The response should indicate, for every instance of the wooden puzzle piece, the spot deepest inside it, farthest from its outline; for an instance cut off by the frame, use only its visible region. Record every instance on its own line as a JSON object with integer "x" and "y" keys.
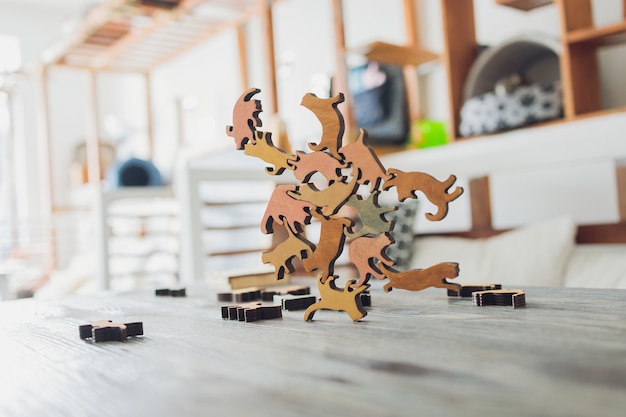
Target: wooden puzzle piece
{"x": 242, "y": 295}
{"x": 361, "y": 156}
{"x": 407, "y": 183}
{"x": 467, "y": 290}
{"x": 167, "y": 292}
{"x": 251, "y": 312}
{"x": 264, "y": 149}
{"x": 371, "y": 214}
{"x": 327, "y": 112}
{"x": 283, "y": 207}
{"x": 268, "y": 295}
{"x": 515, "y": 298}
{"x": 365, "y": 251}
{"x": 330, "y": 246}
{"x": 282, "y": 256}
{"x": 347, "y": 299}
{"x": 308, "y": 164}
{"x": 106, "y": 330}
{"x": 294, "y": 302}
{"x": 330, "y": 199}
{"x": 245, "y": 119}
{"x": 420, "y": 279}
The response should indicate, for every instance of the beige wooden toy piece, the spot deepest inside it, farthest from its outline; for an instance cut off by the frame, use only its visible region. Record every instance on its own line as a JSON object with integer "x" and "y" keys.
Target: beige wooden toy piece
{"x": 330, "y": 246}
{"x": 330, "y": 199}
{"x": 327, "y": 112}
{"x": 245, "y": 119}
{"x": 407, "y": 183}
{"x": 284, "y": 253}
{"x": 420, "y": 279}
{"x": 365, "y": 251}
{"x": 371, "y": 215}
{"x": 360, "y": 155}
{"x": 318, "y": 161}
{"x": 282, "y": 207}
{"x": 264, "y": 149}
{"x": 347, "y": 299}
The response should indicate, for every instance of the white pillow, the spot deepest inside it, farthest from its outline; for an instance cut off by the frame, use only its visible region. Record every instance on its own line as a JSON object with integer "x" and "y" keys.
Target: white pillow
{"x": 597, "y": 266}
{"x": 534, "y": 255}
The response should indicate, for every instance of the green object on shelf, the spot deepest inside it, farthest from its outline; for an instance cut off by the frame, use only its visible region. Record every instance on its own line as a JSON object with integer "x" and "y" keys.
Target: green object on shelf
{"x": 426, "y": 133}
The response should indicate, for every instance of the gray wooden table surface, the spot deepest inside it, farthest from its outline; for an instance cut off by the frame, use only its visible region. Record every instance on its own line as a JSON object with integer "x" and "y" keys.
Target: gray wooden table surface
{"x": 414, "y": 354}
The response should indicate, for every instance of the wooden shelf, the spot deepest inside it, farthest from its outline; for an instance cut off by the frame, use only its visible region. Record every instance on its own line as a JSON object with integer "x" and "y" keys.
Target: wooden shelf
{"x": 524, "y": 4}
{"x": 579, "y": 67}
{"x": 599, "y": 36}
{"x": 389, "y": 53}
{"x": 137, "y": 36}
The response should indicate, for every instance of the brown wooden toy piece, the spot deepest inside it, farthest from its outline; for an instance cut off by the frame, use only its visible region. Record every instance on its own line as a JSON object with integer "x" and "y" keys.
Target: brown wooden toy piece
{"x": 282, "y": 207}
{"x": 361, "y": 156}
{"x": 371, "y": 215}
{"x": 245, "y": 119}
{"x": 365, "y": 251}
{"x": 407, "y": 183}
{"x": 106, "y": 330}
{"x": 264, "y": 149}
{"x": 347, "y": 299}
{"x": 295, "y": 246}
{"x": 466, "y": 290}
{"x": 330, "y": 246}
{"x": 318, "y": 161}
{"x": 420, "y": 279}
{"x": 330, "y": 199}
{"x": 327, "y": 112}
{"x": 515, "y": 298}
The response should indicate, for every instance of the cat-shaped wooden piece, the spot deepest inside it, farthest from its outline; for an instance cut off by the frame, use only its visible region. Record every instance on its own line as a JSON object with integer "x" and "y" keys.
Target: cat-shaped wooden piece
{"x": 420, "y": 279}
{"x": 245, "y": 119}
{"x": 327, "y": 112}
{"x": 347, "y": 299}
{"x": 407, "y": 183}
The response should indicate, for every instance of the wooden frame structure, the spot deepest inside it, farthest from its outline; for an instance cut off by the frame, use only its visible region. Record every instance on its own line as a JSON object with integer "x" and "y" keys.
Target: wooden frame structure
{"x": 580, "y": 41}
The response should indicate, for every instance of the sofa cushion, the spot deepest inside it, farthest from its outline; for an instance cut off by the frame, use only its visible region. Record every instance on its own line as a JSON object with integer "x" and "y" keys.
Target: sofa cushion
{"x": 535, "y": 255}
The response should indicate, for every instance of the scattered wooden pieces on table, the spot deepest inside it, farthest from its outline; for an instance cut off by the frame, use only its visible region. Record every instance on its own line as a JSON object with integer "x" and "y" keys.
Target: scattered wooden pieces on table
{"x": 106, "y": 330}
{"x": 515, "y": 298}
{"x": 467, "y": 290}
{"x": 164, "y": 292}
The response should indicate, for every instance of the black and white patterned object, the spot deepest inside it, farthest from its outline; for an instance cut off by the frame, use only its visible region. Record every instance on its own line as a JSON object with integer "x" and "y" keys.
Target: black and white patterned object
{"x": 402, "y": 249}
{"x": 523, "y": 106}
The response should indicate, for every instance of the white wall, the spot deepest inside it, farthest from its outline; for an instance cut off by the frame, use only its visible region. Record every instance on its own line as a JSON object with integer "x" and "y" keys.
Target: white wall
{"x": 209, "y": 73}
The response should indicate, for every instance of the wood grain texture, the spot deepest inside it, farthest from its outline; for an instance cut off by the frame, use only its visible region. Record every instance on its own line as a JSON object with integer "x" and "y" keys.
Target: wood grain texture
{"x": 414, "y": 354}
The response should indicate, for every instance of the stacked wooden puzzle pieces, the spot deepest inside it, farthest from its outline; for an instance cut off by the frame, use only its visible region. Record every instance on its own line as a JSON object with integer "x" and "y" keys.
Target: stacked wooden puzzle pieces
{"x": 334, "y": 176}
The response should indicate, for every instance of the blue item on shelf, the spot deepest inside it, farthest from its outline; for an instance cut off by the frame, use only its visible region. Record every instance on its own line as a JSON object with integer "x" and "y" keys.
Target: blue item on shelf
{"x": 134, "y": 172}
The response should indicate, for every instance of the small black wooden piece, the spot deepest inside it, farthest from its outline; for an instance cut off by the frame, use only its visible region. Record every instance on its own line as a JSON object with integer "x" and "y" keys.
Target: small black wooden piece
{"x": 181, "y": 292}
{"x": 515, "y": 298}
{"x": 295, "y": 302}
{"x": 366, "y": 299}
{"x": 251, "y": 312}
{"x": 268, "y": 295}
{"x": 106, "y": 330}
{"x": 244, "y": 295}
{"x": 467, "y": 290}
